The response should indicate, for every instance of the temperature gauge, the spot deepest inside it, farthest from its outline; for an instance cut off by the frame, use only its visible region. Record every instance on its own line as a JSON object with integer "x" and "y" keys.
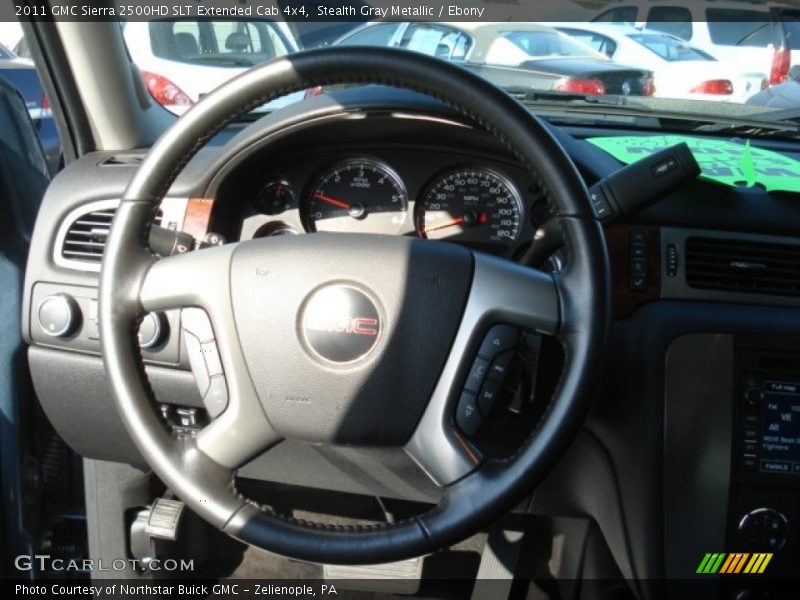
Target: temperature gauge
{"x": 275, "y": 198}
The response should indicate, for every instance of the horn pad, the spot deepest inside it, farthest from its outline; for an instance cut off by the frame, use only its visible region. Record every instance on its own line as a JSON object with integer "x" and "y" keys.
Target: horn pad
{"x": 346, "y": 335}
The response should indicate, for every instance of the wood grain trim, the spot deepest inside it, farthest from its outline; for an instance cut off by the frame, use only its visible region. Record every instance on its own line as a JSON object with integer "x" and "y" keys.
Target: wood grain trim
{"x": 198, "y": 217}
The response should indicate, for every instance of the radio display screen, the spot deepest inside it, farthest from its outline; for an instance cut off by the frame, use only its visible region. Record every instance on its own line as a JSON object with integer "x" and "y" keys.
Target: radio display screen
{"x": 780, "y": 428}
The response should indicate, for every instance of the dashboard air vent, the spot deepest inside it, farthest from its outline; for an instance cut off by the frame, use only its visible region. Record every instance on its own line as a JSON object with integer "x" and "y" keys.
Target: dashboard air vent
{"x": 123, "y": 160}
{"x": 743, "y": 266}
{"x": 85, "y": 237}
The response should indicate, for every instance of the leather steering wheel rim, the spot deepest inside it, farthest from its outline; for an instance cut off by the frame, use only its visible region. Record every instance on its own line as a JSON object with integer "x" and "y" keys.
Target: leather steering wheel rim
{"x": 469, "y": 502}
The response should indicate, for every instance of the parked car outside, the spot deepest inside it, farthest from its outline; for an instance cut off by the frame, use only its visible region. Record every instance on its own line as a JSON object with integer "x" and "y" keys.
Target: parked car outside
{"x": 757, "y": 37}
{"x": 512, "y": 55}
{"x": 21, "y": 74}
{"x": 680, "y": 70}
{"x": 783, "y": 96}
{"x": 181, "y": 61}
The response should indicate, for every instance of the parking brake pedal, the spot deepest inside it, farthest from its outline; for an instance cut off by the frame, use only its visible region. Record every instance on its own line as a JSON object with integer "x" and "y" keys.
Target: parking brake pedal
{"x": 402, "y": 577}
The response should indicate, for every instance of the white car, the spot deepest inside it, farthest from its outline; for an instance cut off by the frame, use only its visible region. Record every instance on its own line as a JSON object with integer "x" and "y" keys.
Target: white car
{"x": 181, "y": 61}
{"x": 756, "y": 36}
{"x": 680, "y": 70}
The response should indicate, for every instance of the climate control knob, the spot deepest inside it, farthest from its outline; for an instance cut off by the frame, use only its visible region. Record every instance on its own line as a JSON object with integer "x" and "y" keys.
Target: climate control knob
{"x": 59, "y": 315}
{"x": 764, "y": 529}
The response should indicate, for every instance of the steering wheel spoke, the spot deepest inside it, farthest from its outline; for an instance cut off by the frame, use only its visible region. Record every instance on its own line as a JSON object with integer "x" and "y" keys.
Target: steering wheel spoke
{"x": 200, "y": 283}
{"x": 501, "y": 293}
{"x": 200, "y": 278}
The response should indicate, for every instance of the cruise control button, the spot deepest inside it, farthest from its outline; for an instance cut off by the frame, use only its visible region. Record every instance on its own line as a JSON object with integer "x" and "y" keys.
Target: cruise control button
{"x": 499, "y": 339}
{"x": 216, "y": 398}
{"x": 211, "y": 356}
{"x": 487, "y": 396}
{"x": 468, "y": 417}
{"x": 195, "y": 321}
{"x": 476, "y": 375}
{"x": 197, "y": 362}
{"x": 499, "y": 368}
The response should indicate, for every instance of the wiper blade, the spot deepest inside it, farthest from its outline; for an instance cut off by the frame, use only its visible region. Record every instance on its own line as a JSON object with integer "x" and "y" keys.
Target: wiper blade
{"x": 223, "y": 60}
{"x": 767, "y": 123}
{"x": 529, "y": 96}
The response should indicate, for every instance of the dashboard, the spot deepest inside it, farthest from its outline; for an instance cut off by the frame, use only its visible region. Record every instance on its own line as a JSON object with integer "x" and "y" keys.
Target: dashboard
{"x": 470, "y": 194}
{"x": 672, "y": 433}
{"x": 466, "y": 201}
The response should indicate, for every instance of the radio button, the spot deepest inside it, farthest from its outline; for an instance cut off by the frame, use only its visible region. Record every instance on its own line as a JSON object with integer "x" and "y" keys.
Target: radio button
{"x": 499, "y": 368}
{"x": 468, "y": 417}
{"x": 753, "y": 396}
{"x": 476, "y": 375}
{"x": 499, "y": 339}
{"x": 487, "y": 396}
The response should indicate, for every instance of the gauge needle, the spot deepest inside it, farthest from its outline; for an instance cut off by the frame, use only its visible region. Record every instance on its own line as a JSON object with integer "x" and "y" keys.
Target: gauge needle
{"x": 451, "y": 223}
{"x": 333, "y": 201}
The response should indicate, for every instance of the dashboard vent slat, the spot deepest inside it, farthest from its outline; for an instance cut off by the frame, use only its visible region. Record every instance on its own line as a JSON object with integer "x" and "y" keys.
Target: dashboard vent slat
{"x": 123, "y": 160}
{"x": 85, "y": 238}
{"x": 743, "y": 266}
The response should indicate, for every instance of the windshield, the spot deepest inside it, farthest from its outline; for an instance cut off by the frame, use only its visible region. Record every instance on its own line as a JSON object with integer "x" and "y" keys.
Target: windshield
{"x": 729, "y": 55}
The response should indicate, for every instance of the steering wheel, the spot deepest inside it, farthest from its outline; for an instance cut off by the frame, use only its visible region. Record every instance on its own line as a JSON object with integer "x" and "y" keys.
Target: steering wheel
{"x": 348, "y": 338}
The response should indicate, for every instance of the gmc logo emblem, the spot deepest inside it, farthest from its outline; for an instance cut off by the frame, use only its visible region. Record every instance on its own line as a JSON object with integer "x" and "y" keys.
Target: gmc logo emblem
{"x": 340, "y": 323}
{"x": 354, "y": 325}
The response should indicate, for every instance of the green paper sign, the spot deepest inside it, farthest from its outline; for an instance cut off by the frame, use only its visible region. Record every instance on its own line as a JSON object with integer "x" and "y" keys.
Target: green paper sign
{"x": 725, "y": 162}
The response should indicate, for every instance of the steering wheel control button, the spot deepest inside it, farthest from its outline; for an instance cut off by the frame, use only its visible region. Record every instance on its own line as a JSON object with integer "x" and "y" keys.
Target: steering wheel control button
{"x": 59, "y": 315}
{"x": 196, "y": 322}
{"x": 499, "y": 367}
{"x": 216, "y": 398}
{"x": 211, "y": 356}
{"x": 499, "y": 339}
{"x": 197, "y": 361}
{"x": 487, "y": 396}
{"x": 151, "y": 331}
{"x": 340, "y": 323}
{"x": 205, "y": 361}
{"x": 468, "y": 417}
{"x": 764, "y": 529}
{"x": 476, "y": 375}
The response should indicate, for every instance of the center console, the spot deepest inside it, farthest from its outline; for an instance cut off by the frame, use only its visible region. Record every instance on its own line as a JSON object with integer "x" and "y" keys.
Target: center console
{"x": 764, "y": 507}
{"x": 732, "y": 454}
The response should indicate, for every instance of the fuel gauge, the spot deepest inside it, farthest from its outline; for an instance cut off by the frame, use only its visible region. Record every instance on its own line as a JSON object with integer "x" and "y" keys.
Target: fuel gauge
{"x": 275, "y": 198}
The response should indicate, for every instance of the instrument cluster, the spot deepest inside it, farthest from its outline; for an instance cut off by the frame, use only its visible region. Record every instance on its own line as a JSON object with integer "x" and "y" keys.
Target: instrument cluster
{"x": 469, "y": 203}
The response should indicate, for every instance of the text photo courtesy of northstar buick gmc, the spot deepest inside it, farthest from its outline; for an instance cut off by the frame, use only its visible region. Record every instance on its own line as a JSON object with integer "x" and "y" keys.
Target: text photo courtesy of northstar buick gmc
{"x": 493, "y": 307}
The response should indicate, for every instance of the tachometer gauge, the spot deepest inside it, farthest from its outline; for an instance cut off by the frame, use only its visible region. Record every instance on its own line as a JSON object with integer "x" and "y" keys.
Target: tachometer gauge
{"x": 360, "y": 196}
{"x": 470, "y": 205}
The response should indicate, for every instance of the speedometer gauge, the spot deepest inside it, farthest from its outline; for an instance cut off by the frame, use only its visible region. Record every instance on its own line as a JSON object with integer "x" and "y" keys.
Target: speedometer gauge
{"x": 358, "y": 196}
{"x": 470, "y": 205}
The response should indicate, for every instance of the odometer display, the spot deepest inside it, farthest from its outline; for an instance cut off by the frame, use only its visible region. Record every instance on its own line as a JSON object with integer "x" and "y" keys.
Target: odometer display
{"x": 471, "y": 205}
